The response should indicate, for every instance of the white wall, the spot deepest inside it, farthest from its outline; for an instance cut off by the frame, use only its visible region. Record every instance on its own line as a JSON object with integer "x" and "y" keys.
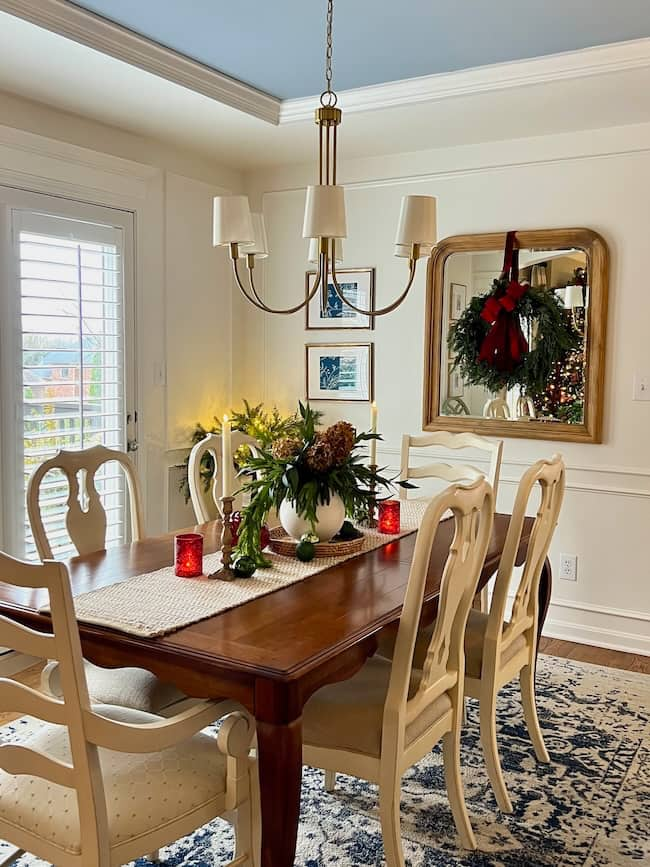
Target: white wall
{"x": 597, "y": 179}
{"x": 183, "y": 292}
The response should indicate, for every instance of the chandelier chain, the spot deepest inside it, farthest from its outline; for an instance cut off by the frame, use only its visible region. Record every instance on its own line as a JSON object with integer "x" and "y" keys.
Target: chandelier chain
{"x": 328, "y": 97}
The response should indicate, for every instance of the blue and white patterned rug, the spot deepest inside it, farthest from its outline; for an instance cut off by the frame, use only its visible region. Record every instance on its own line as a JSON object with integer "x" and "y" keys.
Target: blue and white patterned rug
{"x": 589, "y": 808}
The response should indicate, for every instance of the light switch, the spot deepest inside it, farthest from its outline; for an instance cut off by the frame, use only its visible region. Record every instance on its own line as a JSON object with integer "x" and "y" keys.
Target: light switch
{"x": 641, "y": 386}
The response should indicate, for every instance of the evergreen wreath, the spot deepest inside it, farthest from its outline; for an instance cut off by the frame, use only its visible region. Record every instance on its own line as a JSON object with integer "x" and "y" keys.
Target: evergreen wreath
{"x": 488, "y": 343}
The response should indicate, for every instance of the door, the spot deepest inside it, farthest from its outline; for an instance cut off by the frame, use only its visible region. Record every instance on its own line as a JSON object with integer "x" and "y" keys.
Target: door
{"x": 66, "y": 351}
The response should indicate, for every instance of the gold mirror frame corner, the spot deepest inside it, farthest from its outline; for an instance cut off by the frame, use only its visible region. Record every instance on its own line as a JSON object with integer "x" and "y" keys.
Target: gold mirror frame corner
{"x": 595, "y": 246}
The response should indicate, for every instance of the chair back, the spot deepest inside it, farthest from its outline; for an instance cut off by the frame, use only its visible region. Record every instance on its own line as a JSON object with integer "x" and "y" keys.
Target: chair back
{"x": 551, "y": 478}
{"x": 85, "y": 517}
{"x": 211, "y": 444}
{"x": 447, "y": 471}
{"x": 82, "y": 773}
{"x": 496, "y": 407}
{"x": 473, "y": 512}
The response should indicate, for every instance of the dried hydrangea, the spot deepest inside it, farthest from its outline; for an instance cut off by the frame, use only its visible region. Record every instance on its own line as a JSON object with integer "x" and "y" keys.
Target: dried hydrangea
{"x": 318, "y": 456}
{"x": 341, "y": 437}
{"x": 285, "y": 448}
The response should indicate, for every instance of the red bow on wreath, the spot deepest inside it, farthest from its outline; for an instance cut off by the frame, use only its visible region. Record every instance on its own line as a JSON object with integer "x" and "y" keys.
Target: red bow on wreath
{"x": 504, "y": 344}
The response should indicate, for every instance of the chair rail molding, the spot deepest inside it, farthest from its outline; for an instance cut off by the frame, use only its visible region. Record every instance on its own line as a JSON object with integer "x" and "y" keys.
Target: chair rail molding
{"x": 103, "y": 35}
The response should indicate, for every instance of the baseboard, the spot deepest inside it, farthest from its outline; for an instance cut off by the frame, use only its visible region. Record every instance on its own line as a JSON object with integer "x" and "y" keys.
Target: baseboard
{"x": 11, "y": 662}
{"x": 597, "y": 636}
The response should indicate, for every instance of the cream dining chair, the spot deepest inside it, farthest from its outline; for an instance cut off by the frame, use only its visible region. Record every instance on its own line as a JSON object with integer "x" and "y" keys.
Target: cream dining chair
{"x": 388, "y": 716}
{"x": 86, "y": 525}
{"x": 498, "y": 650}
{"x": 211, "y": 444}
{"x": 451, "y": 472}
{"x": 100, "y": 786}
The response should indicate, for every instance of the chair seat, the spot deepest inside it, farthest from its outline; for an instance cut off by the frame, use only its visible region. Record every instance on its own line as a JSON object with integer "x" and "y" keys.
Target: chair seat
{"x": 474, "y": 638}
{"x": 349, "y": 715}
{"x": 134, "y": 688}
{"x": 144, "y": 792}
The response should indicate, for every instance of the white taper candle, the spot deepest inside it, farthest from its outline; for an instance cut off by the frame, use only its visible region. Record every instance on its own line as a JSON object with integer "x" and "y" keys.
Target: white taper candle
{"x": 373, "y": 429}
{"x": 226, "y": 457}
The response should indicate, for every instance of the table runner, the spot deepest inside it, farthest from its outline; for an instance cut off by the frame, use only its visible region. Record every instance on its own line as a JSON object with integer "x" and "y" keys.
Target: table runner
{"x": 157, "y": 603}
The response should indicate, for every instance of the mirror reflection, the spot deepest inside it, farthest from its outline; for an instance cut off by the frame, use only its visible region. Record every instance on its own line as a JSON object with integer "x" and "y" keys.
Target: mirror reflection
{"x": 561, "y": 397}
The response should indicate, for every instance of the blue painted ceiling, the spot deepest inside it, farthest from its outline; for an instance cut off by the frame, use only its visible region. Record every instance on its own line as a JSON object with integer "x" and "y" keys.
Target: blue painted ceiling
{"x": 277, "y": 45}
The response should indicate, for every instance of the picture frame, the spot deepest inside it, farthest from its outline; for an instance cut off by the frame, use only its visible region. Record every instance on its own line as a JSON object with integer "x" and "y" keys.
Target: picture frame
{"x": 457, "y": 300}
{"x": 342, "y": 372}
{"x": 455, "y": 385}
{"x": 356, "y": 283}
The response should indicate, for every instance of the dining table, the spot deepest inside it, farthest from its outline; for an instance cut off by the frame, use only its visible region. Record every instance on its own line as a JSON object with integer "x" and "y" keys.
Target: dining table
{"x": 273, "y": 652}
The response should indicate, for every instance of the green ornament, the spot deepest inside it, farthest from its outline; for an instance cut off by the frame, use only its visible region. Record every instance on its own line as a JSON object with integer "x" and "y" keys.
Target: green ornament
{"x": 305, "y": 550}
{"x": 244, "y": 567}
{"x": 348, "y": 531}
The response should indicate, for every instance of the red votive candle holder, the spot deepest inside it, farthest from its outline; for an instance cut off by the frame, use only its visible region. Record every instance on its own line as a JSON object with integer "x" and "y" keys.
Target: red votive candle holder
{"x": 388, "y": 521}
{"x": 188, "y": 555}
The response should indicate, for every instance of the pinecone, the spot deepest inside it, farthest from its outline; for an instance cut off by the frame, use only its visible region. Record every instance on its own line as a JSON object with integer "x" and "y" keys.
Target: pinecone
{"x": 341, "y": 437}
{"x": 319, "y": 455}
{"x": 286, "y": 448}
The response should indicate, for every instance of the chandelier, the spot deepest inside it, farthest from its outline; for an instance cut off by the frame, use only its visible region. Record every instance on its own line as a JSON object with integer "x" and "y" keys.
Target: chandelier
{"x": 244, "y": 233}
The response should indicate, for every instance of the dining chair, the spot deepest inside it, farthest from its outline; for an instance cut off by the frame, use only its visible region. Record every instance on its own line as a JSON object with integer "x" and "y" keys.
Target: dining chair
{"x": 452, "y": 472}
{"x": 498, "y": 649}
{"x": 101, "y": 786}
{"x": 388, "y": 716}
{"x": 496, "y": 407}
{"x": 86, "y": 523}
{"x": 211, "y": 444}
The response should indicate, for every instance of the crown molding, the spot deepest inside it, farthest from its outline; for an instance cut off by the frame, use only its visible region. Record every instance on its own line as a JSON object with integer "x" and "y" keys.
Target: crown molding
{"x": 584, "y": 63}
{"x": 96, "y": 32}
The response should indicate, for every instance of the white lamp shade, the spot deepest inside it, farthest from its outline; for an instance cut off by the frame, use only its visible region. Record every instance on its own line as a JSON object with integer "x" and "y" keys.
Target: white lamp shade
{"x": 404, "y": 251}
{"x": 314, "y": 251}
{"x": 417, "y": 221}
{"x": 325, "y": 212}
{"x": 260, "y": 246}
{"x": 573, "y": 297}
{"x": 231, "y": 222}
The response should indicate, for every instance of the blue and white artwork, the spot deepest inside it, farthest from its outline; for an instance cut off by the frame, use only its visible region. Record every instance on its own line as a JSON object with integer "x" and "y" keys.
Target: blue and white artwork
{"x": 342, "y": 372}
{"x": 357, "y": 287}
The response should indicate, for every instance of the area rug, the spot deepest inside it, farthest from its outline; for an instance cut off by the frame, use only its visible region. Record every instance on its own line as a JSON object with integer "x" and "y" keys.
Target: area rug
{"x": 589, "y": 808}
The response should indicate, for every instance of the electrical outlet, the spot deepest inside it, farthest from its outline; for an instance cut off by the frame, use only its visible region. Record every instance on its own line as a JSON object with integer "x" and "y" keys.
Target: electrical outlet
{"x": 641, "y": 387}
{"x": 569, "y": 567}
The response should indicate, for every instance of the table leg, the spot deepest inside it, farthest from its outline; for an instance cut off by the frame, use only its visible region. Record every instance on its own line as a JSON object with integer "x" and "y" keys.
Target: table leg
{"x": 544, "y": 596}
{"x": 279, "y": 748}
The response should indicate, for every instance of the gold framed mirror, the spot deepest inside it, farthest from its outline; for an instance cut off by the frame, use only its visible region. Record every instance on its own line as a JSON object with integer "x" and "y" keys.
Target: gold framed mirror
{"x": 573, "y": 265}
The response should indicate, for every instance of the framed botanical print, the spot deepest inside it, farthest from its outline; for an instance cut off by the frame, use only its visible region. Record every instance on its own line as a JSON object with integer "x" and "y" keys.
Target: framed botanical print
{"x": 357, "y": 286}
{"x": 340, "y": 371}
{"x": 457, "y": 300}
{"x": 455, "y": 386}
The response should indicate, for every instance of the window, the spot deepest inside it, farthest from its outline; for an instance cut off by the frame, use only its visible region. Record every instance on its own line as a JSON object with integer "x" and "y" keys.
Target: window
{"x": 64, "y": 352}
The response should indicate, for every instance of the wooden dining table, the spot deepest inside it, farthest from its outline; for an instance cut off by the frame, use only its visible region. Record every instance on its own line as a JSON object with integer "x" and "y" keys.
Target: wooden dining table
{"x": 273, "y": 652}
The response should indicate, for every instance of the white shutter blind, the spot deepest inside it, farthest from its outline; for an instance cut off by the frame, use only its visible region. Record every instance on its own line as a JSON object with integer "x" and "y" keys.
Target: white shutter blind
{"x": 72, "y": 360}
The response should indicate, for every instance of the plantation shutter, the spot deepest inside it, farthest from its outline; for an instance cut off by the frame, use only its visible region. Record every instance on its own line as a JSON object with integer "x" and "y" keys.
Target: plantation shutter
{"x": 70, "y": 350}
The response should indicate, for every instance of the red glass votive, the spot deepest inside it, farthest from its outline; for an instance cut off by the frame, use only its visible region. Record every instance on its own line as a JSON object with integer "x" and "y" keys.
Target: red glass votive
{"x": 188, "y": 555}
{"x": 388, "y": 517}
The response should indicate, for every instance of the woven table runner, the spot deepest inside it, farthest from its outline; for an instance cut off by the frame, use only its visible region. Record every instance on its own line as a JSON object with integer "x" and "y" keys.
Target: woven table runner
{"x": 157, "y": 603}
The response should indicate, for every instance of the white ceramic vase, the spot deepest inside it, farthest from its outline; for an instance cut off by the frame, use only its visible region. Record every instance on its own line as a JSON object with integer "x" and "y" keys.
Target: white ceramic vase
{"x": 329, "y": 519}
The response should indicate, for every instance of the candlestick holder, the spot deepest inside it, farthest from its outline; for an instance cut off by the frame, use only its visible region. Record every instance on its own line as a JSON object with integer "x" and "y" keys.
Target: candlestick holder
{"x": 371, "y": 520}
{"x": 225, "y": 573}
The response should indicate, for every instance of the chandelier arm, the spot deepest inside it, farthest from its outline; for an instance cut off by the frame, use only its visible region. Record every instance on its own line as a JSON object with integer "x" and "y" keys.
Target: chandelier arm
{"x": 260, "y": 304}
{"x": 382, "y": 310}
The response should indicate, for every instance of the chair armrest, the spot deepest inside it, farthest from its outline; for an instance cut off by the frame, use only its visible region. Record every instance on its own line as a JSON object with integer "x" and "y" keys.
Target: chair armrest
{"x": 151, "y": 737}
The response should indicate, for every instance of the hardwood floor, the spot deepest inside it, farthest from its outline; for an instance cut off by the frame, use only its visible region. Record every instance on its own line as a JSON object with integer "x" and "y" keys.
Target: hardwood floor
{"x": 551, "y": 646}
{"x": 595, "y": 655}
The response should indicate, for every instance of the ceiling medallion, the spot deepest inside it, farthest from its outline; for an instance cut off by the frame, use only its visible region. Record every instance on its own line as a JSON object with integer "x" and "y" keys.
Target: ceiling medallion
{"x": 324, "y": 224}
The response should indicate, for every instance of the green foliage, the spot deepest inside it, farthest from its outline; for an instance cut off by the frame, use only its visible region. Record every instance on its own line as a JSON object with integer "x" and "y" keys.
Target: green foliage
{"x": 265, "y": 427}
{"x": 542, "y": 314}
{"x": 291, "y": 474}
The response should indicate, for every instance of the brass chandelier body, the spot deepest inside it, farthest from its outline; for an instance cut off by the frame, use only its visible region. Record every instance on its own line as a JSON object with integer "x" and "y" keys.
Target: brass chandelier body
{"x": 325, "y": 217}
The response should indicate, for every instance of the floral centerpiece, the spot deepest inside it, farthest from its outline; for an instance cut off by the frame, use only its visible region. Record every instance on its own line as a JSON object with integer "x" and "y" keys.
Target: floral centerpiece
{"x": 314, "y": 478}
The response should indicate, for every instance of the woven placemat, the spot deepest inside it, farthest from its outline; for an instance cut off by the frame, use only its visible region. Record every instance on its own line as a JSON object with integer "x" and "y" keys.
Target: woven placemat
{"x": 157, "y": 603}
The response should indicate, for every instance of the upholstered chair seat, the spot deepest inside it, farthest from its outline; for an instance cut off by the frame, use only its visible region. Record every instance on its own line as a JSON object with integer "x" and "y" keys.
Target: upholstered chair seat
{"x": 145, "y": 792}
{"x": 349, "y": 715}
